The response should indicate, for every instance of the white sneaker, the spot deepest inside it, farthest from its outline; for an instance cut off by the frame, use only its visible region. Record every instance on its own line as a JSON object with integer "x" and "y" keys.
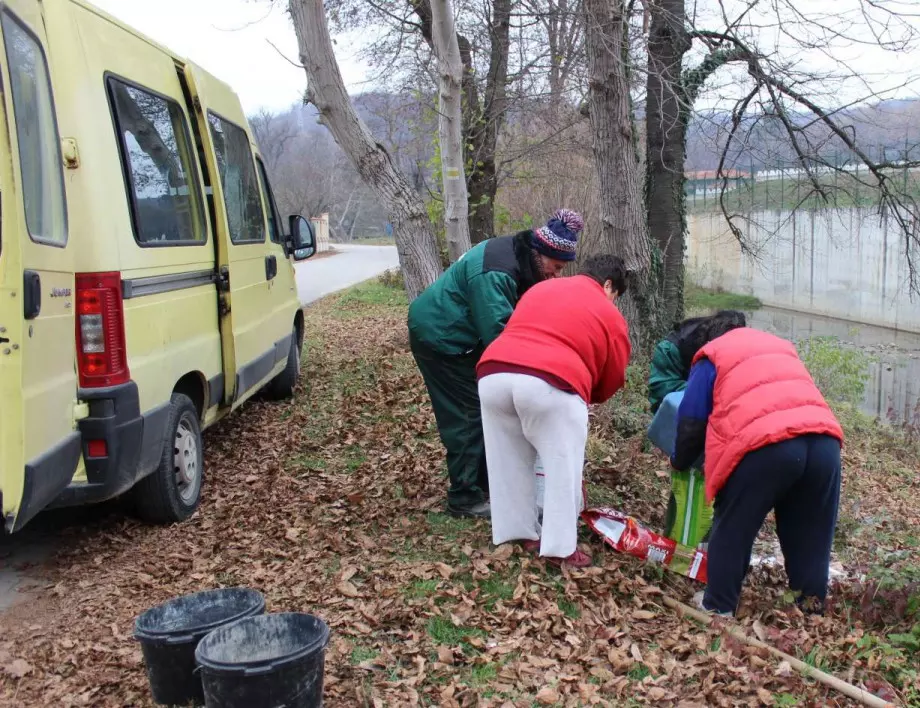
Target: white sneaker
{"x": 698, "y": 601}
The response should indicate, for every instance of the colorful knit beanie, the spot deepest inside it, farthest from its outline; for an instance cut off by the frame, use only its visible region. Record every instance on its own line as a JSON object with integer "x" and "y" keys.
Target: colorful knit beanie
{"x": 557, "y": 240}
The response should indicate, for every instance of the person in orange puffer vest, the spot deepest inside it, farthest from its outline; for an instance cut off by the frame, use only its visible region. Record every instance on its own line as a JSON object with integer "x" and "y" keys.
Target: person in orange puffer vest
{"x": 771, "y": 442}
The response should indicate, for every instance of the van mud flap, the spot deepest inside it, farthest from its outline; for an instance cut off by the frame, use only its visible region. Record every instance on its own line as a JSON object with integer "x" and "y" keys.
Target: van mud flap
{"x": 45, "y": 478}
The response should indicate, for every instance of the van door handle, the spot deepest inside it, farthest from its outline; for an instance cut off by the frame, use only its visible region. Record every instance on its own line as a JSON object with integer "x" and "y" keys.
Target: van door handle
{"x": 31, "y": 294}
{"x": 271, "y": 267}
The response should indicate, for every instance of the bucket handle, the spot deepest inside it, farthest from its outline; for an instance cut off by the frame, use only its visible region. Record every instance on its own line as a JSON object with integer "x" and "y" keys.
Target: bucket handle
{"x": 259, "y": 670}
{"x": 184, "y": 639}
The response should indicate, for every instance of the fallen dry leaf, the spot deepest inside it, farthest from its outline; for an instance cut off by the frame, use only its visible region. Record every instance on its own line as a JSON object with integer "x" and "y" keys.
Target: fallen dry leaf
{"x": 347, "y": 589}
{"x": 784, "y": 668}
{"x": 547, "y": 696}
{"x": 18, "y": 668}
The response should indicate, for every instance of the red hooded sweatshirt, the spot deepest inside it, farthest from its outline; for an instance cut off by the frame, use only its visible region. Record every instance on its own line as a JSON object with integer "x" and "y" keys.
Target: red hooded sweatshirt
{"x": 566, "y": 332}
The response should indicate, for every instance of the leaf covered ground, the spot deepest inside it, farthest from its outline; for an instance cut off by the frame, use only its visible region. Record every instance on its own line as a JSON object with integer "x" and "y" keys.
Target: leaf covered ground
{"x": 332, "y": 504}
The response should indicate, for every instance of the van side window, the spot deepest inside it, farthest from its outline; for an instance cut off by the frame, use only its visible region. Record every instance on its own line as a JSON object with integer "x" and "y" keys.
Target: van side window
{"x": 274, "y": 223}
{"x": 156, "y": 154}
{"x": 36, "y": 132}
{"x": 239, "y": 181}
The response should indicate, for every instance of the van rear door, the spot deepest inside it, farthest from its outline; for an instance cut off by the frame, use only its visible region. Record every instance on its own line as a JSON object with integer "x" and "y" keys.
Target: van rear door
{"x": 39, "y": 445}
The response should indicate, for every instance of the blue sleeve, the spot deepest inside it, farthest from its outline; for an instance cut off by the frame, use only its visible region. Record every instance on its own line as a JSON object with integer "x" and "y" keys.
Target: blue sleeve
{"x": 693, "y": 415}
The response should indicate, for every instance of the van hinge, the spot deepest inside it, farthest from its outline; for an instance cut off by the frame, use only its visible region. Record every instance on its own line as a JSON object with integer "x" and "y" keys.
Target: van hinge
{"x": 80, "y": 410}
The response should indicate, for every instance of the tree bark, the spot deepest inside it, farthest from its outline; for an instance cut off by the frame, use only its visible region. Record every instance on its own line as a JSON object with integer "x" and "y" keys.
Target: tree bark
{"x": 623, "y": 229}
{"x": 491, "y": 117}
{"x": 450, "y": 130}
{"x": 482, "y": 118}
{"x": 666, "y": 120}
{"x": 415, "y": 240}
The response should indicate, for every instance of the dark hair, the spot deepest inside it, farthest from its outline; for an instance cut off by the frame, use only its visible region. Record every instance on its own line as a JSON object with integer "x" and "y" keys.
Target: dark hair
{"x": 693, "y": 334}
{"x": 724, "y": 321}
{"x": 606, "y": 267}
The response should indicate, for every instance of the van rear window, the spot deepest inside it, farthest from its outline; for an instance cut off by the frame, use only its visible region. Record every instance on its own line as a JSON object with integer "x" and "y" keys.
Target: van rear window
{"x": 37, "y": 135}
{"x": 166, "y": 203}
{"x": 239, "y": 181}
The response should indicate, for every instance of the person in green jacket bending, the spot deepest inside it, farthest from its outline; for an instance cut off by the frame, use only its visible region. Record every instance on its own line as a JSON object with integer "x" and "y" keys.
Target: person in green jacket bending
{"x": 457, "y": 317}
{"x": 672, "y": 356}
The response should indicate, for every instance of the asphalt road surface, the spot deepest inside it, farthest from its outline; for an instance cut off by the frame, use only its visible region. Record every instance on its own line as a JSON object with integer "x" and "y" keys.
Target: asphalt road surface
{"x": 352, "y": 265}
{"x": 23, "y": 553}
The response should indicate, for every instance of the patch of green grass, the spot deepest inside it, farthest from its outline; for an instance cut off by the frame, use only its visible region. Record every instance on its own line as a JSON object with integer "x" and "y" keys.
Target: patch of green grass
{"x": 483, "y": 673}
{"x": 371, "y": 294}
{"x": 411, "y": 552}
{"x": 443, "y": 631}
{"x": 447, "y": 526}
{"x": 355, "y": 457}
{"x": 697, "y": 298}
{"x": 420, "y": 589}
{"x": 361, "y": 654}
{"x": 310, "y": 462}
{"x": 638, "y": 671}
{"x": 785, "y": 699}
{"x": 496, "y": 588}
{"x": 569, "y": 608}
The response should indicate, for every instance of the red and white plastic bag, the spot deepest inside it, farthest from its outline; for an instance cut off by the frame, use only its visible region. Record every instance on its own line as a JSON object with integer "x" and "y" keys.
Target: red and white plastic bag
{"x": 627, "y": 535}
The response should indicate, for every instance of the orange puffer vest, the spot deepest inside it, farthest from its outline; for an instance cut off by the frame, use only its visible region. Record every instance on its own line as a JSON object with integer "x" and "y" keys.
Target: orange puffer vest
{"x": 763, "y": 395}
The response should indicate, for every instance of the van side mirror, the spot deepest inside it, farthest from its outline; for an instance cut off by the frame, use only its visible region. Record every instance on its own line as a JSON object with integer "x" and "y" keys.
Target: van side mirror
{"x": 303, "y": 238}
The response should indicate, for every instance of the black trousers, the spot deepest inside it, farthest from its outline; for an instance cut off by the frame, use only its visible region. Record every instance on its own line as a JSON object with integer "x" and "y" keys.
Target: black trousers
{"x": 800, "y": 480}
{"x": 454, "y": 392}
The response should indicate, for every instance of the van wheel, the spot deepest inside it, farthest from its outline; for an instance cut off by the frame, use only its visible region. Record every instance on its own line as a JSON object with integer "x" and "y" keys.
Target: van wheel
{"x": 172, "y": 492}
{"x": 282, "y": 386}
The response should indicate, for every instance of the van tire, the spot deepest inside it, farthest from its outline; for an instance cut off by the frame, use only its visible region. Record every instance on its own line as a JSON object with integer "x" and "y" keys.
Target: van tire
{"x": 172, "y": 493}
{"x": 282, "y": 386}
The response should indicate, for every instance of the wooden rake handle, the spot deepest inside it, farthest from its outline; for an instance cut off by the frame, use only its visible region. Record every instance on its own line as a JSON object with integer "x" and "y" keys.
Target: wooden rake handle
{"x": 735, "y": 631}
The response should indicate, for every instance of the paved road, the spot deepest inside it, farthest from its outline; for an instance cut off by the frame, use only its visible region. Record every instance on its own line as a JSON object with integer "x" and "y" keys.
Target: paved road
{"x": 354, "y": 264}
{"x": 23, "y": 552}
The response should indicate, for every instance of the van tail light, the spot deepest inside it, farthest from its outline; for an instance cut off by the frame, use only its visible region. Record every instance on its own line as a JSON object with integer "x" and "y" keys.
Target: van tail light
{"x": 101, "y": 351}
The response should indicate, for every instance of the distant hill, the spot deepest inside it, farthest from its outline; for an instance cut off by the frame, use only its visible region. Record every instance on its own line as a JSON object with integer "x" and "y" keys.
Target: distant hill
{"x": 407, "y": 126}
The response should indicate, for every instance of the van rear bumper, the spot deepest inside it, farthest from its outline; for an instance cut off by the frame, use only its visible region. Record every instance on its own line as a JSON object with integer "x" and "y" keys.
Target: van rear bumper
{"x": 133, "y": 443}
{"x": 43, "y": 480}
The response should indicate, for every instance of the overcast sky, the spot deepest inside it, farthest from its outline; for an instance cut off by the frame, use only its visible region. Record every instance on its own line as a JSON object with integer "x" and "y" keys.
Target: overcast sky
{"x": 230, "y": 38}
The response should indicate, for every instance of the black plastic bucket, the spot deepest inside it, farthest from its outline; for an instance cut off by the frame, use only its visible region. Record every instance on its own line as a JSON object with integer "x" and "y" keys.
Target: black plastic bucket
{"x": 170, "y": 632}
{"x": 271, "y": 661}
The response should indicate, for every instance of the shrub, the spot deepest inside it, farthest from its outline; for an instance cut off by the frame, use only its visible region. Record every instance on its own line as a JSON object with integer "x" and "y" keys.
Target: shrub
{"x": 840, "y": 372}
{"x": 392, "y": 278}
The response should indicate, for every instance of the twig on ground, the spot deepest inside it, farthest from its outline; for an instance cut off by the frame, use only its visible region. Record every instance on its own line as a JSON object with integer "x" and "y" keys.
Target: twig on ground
{"x": 845, "y": 688}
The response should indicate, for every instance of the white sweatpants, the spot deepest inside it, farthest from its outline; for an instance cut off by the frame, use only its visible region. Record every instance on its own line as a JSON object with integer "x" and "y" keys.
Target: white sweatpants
{"x": 522, "y": 416}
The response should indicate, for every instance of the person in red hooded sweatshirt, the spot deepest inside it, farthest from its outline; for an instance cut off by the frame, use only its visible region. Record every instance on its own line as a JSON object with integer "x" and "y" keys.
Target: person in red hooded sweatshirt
{"x": 565, "y": 346}
{"x": 771, "y": 442}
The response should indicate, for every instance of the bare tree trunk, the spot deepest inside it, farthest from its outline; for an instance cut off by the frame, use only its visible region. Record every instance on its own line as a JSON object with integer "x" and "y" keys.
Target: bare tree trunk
{"x": 482, "y": 120}
{"x": 484, "y": 137}
{"x": 450, "y": 130}
{"x": 623, "y": 230}
{"x": 415, "y": 240}
{"x": 667, "y": 116}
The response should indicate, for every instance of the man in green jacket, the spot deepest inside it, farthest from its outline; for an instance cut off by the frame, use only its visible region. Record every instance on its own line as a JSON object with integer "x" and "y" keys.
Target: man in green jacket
{"x": 672, "y": 356}
{"x": 669, "y": 368}
{"x": 457, "y": 317}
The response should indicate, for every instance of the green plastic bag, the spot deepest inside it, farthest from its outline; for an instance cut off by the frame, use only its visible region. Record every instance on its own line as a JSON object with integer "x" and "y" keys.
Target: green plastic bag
{"x": 688, "y": 519}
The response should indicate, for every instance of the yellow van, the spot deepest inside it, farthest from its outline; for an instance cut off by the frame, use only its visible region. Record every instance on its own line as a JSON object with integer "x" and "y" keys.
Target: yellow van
{"x": 147, "y": 283}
